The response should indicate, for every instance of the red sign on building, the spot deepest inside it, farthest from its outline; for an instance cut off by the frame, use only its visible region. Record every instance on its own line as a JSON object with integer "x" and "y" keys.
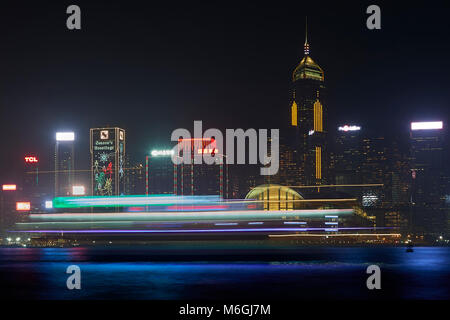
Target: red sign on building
{"x": 31, "y": 159}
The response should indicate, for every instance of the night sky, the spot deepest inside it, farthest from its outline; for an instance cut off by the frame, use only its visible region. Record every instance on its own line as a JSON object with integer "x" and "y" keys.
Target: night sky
{"x": 152, "y": 68}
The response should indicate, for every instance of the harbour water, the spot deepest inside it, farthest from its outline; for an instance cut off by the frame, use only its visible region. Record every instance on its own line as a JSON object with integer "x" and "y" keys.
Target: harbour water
{"x": 217, "y": 271}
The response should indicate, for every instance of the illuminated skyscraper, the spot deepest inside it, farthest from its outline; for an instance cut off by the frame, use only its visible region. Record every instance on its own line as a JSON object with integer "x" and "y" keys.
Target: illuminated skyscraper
{"x": 427, "y": 155}
{"x": 31, "y": 175}
{"x": 197, "y": 177}
{"x": 134, "y": 177}
{"x": 378, "y": 163}
{"x": 107, "y": 161}
{"x": 160, "y": 172}
{"x": 8, "y": 213}
{"x": 429, "y": 175}
{"x": 348, "y": 155}
{"x": 64, "y": 163}
{"x": 307, "y": 119}
{"x": 383, "y": 162}
{"x": 289, "y": 173}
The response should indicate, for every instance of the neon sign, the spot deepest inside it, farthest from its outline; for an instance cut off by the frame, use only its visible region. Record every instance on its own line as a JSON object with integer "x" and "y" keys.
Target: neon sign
{"x": 23, "y": 206}
{"x": 349, "y": 128}
{"x": 9, "y": 187}
{"x": 162, "y": 153}
{"x": 65, "y": 136}
{"x": 78, "y": 190}
{"x": 30, "y": 159}
{"x": 207, "y": 151}
{"x": 433, "y": 125}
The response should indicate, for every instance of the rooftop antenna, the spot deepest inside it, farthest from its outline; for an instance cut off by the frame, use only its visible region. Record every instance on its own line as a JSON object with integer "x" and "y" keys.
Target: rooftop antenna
{"x": 306, "y": 45}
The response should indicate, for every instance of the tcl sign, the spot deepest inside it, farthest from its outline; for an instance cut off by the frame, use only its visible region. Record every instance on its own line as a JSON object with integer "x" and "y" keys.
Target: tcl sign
{"x": 30, "y": 159}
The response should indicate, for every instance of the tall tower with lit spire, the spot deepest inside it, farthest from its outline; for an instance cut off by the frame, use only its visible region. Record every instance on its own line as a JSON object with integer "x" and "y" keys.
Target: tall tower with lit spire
{"x": 307, "y": 118}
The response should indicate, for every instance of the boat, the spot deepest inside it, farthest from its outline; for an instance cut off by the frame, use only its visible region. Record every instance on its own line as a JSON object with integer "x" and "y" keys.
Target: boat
{"x": 409, "y": 248}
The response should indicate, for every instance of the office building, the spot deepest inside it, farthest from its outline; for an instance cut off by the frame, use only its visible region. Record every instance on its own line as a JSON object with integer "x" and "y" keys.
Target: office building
{"x": 64, "y": 163}
{"x": 107, "y": 147}
{"x": 308, "y": 119}
{"x": 429, "y": 177}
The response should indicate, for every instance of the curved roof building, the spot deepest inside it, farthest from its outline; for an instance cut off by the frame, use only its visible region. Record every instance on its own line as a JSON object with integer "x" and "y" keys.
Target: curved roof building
{"x": 274, "y": 197}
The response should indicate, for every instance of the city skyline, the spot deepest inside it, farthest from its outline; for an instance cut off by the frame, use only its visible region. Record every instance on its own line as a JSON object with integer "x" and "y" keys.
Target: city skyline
{"x": 348, "y": 52}
{"x": 317, "y": 148}
{"x": 204, "y": 152}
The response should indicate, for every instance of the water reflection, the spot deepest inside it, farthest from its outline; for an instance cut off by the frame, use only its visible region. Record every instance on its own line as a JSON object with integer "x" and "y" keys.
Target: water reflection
{"x": 305, "y": 273}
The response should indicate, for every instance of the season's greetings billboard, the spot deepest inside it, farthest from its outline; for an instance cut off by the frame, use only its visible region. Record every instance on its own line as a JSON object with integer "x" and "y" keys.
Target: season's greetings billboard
{"x": 107, "y": 161}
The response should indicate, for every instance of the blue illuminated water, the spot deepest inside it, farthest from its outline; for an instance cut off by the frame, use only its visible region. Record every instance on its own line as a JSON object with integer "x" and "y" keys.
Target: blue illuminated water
{"x": 219, "y": 272}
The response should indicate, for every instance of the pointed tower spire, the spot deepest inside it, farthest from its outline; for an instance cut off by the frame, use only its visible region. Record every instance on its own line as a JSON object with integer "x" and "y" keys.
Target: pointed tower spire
{"x": 306, "y": 45}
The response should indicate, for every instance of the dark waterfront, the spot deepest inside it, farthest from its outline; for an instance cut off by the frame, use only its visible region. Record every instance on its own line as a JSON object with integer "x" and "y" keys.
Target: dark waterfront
{"x": 223, "y": 271}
